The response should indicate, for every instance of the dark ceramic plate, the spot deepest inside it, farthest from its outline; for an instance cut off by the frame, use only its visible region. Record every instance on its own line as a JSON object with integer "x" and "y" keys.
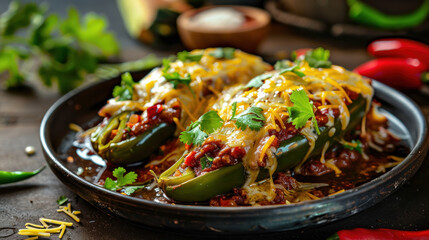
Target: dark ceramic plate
{"x": 81, "y": 106}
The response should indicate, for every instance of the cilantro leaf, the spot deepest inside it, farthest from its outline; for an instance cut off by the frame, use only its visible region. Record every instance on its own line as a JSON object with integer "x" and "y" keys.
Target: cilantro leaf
{"x": 198, "y": 131}
{"x": 193, "y": 135}
{"x": 257, "y": 81}
{"x": 318, "y": 58}
{"x": 280, "y": 65}
{"x": 223, "y": 53}
{"x": 125, "y": 91}
{"x": 206, "y": 162}
{"x": 186, "y": 56}
{"x": 174, "y": 77}
{"x": 292, "y": 69}
{"x": 252, "y": 118}
{"x": 210, "y": 121}
{"x": 302, "y": 110}
{"x": 121, "y": 179}
{"x": 357, "y": 145}
{"x": 61, "y": 200}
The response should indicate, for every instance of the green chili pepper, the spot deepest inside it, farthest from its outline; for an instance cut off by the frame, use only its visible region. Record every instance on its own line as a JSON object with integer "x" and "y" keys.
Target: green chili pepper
{"x": 365, "y": 14}
{"x": 131, "y": 150}
{"x": 11, "y": 177}
{"x": 289, "y": 154}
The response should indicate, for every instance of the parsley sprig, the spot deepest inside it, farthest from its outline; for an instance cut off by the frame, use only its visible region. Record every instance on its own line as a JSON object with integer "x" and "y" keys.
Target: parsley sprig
{"x": 251, "y": 117}
{"x": 198, "y": 131}
{"x": 125, "y": 90}
{"x": 302, "y": 110}
{"x": 257, "y": 81}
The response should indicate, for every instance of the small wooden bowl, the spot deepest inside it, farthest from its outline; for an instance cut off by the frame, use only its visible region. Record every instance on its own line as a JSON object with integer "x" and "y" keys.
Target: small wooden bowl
{"x": 247, "y": 37}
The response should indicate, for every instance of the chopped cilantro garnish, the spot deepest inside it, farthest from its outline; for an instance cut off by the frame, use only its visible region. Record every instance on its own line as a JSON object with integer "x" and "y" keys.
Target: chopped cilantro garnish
{"x": 174, "y": 77}
{"x": 357, "y": 145}
{"x": 318, "y": 58}
{"x": 61, "y": 200}
{"x": 121, "y": 179}
{"x": 252, "y": 118}
{"x": 131, "y": 189}
{"x": 198, "y": 131}
{"x": 225, "y": 53}
{"x": 186, "y": 56}
{"x": 206, "y": 162}
{"x": 302, "y": 110}
{"x": 125, "y": 91}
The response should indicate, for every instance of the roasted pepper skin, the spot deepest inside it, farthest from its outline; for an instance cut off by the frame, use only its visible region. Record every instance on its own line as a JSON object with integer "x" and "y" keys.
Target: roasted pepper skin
{"x": 11, "y": 177}
{"x": 290, "y": 153}
{"x": 131, "y": 150}
{"x": 141, "y": 147}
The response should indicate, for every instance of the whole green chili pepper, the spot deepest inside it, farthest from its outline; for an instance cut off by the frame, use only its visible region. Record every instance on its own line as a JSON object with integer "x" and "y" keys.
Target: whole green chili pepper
{"x": 131, "y": 150}
{"x": 289, "y": 154}
{"x": 365, "y": 14}
{"x": 11, "y": 177}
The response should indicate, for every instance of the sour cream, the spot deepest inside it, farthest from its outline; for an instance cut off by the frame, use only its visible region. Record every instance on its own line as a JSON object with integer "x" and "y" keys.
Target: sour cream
{"x": 224, "y": 18}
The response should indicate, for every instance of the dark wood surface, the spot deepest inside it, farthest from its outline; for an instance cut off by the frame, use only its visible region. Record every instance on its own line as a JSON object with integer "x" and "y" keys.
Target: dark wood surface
{"x": 21, "y": 112}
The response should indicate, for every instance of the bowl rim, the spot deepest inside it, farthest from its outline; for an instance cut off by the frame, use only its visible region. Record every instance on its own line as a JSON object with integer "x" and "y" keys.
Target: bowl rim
{"x": 421, "y": 144}
{"x": 262, "y": 19}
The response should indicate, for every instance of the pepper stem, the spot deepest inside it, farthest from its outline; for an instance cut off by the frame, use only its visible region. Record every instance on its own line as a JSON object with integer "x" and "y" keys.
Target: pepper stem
{"x": 425, "y": 77}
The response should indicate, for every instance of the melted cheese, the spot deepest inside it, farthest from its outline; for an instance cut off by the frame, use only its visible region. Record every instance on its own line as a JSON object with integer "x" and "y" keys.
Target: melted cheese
{"x": 325, "y": 85}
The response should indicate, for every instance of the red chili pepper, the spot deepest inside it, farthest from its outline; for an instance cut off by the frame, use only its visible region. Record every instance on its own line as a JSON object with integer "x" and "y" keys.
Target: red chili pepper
{"x": 154, "y": 110}
{"x": 379, "y": 234}
{"x": 299, "y": 52}
{"x": 398, "y": 47}
{"x": 400, "y": 73}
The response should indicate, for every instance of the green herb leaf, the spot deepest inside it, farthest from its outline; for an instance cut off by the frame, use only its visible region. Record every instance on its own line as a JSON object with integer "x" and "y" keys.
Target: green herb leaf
{"x": 257, "y": 81}
{"x": 61, "y": 200}
{"x": 186, "y": 56}
{"x": 252, "y": 118}
{"x": 122, "y": 179}
{"x": 280, "y": 65}
{"x": 318, "y": 58}
{"x": 198, "y": 131}
{"x": 131, "y": 189}
{"x": 357, "y": 145}
{"x": 302, "y": 110}
{"x": 174, "y": 77}
{"x": 223, "y": 53}
{"x": 234, "y": 110}
{"x": 292, "y": 69}
{"x": 206, "y": 162}
{"x": 125, "y": 91}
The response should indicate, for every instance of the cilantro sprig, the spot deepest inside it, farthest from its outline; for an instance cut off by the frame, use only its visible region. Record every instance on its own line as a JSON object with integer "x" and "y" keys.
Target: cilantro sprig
{"x": 125, "y": 90}
{"x": 356, "y": 145}
{"x": 122, "y": 179}
{"x": 174, "y": 77}
{"x": 198, "y": 131}
{"x": 223, "y": 53}
{"x": 187, "y": 56}
{"x": 302, "y": 110}
{"x": 318, "y": 58}
{"x": 251, "y": 117}
{"x": 257, "y": 81}
{"x": 61, "y": 51}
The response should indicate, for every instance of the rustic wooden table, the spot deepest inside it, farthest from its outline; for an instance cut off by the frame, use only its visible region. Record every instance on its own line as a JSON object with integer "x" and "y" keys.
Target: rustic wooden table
{"x": 21, "y": 112}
